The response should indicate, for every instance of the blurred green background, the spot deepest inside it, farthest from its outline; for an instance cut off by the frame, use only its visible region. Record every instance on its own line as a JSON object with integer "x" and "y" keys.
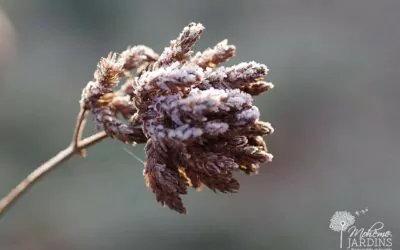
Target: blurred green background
{"x": 335, "y": 65}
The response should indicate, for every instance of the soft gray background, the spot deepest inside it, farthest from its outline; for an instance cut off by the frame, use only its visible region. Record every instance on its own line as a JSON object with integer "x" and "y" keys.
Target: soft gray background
{"x": 335, "y": 65}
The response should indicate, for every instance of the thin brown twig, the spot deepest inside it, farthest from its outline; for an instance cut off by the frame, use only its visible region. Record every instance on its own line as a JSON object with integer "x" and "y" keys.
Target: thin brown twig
{"x": 78, "y": 131}
{"x": 51, "y": 164}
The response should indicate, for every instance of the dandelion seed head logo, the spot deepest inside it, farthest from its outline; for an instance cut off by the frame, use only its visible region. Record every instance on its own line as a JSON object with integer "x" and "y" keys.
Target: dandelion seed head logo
{"x": 341, "y": 220}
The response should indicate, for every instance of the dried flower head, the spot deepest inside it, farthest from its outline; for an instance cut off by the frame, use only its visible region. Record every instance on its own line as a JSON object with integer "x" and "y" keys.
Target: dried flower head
{"x": 196, "y": 117}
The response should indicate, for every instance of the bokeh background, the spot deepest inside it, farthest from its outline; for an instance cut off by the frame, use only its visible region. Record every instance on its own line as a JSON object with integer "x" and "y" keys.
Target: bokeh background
{"x": 335, "y": 65}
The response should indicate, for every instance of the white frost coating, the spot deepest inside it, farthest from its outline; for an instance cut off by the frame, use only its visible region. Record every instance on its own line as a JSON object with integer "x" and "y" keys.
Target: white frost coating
{"x": 106, "y": 77}
{"x": 175, "y": 116}
{"x": 92, "y": 88}
{"x": 219, "y": 54}
{"x": 122, "y": 100}
{"x": 155, "y": 129}
{"x": 269, "y": 85}
{"x": 270, "y": 157}
{"x": 179, "y": 47}
{"x": 248, "y": 115}
{"x": 216, "y": 75}
{"x": 161, "y": 135}
{"x": 111, "y": 63}
{"x": 163, "y": 104}
{"x": 179, "y": 131}
{"x": 166, "y": 77}
{"x": 238, "y": 98}
{"x": 198, "y": 101}
{"x": 167, "y": 53}
{"x": 218, "y": 99}
{"x": 209, "y": 99}
{"x": 246, "y": 70}
{"x": 193, "y": 30}
{"x": 137, "y": 55}
{"x": 196, "y": 132}
{"x": 182, "y": 111}
{"x": 215, "y": 128}
{"x": 222, "y": 46}
{"x": 269, "y": 127}
{"x": 184, "y": 132}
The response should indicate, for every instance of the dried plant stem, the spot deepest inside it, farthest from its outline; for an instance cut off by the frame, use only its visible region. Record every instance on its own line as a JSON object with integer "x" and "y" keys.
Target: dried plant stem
{"x": 77, "y": 146}
{"x": 80, "y": 125}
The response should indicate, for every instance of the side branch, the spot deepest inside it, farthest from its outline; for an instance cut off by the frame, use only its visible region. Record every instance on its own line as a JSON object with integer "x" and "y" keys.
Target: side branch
{"x": 80, "y": 125}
